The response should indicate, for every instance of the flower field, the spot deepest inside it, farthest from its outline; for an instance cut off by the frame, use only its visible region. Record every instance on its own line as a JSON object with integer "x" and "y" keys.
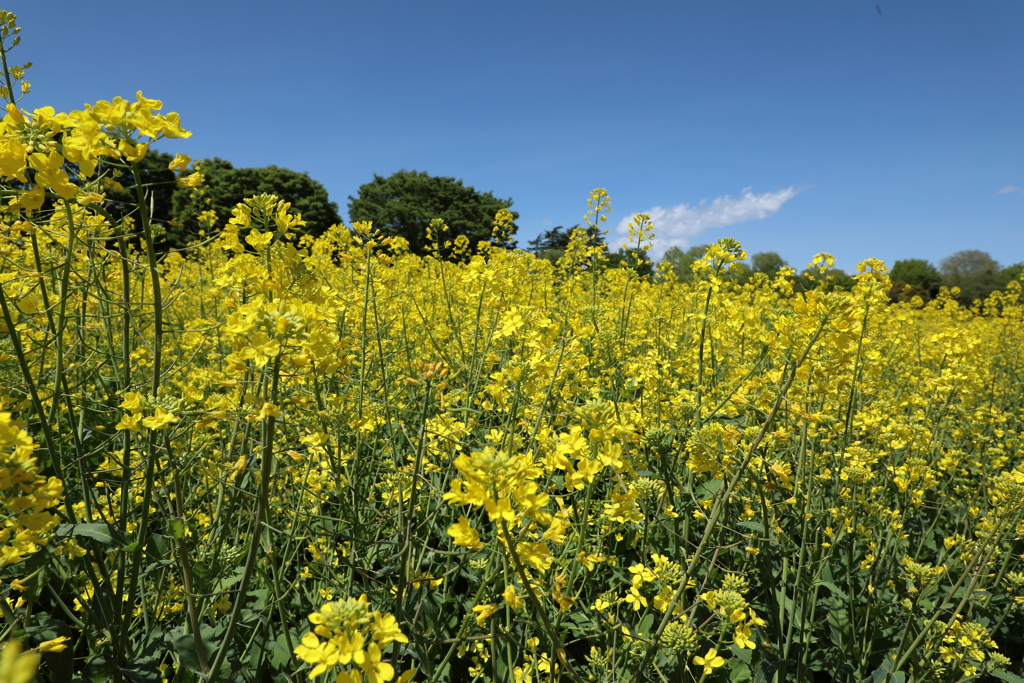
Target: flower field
{"x": 275, "y": 458}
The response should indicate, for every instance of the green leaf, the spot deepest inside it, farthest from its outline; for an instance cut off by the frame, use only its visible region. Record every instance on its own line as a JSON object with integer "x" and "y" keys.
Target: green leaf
{"x": 836, "y": 591}
{"x": 879, "y": 674}
{"x": 744, "y": 655}
{"x": 738, "y": 670}
{"x": 177, "y": 527}
{"x": 279, "y": 654}
{"x": 188, "y": 655}
{"x": 769, "y": 665}
{"x": 104, "y": 533}
{"x": 144, "y": 673}
{"x": 1006, "y": 676}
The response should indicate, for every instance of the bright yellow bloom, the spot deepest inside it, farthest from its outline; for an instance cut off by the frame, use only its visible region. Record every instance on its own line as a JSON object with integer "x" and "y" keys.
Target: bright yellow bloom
{"x": 464, "y": 534}
{"x": 711, "y": 661}
{"x": 484, "y": 611}
{"x": 741, "y": 636}
{"x": 56, "y": 645}
{"x": 160, "y": 419}
{"x": 180, "y": 162}
{"x": 193, "y": 180}
{"x": 16, "y": 666}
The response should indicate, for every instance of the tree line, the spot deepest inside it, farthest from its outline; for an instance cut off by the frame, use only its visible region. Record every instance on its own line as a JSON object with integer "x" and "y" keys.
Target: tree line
{"x": 404, "y": 203}
{"x": 974, "y": 272}
{"x": 400, "y": 205}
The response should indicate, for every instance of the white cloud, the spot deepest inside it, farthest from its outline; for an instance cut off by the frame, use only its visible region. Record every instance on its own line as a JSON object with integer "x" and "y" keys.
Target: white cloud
{"x": 1011, "y": 189}
{"x": 677, "y": 225}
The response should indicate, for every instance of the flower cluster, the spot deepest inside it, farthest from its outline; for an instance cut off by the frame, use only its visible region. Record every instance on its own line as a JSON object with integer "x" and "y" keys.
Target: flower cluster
{"x": 353, "y": 635}
{"x": 27, "y": 495}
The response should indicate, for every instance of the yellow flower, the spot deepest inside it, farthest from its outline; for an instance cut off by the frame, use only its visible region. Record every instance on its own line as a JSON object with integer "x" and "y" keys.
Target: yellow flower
{"x": 710, "y": 661}
{"x": 741, "y": 636}
{"x": 49, "y": 172}
{"x": 130, "y": 422}
{"x": 511, "y": 597}
{"x": 29, "y": 201}
{"x": 536, "y": 555}
{"x": 15, "y": 666}
{"x": 484, "y": 611}
{"x": 376, "y": 671}
{"x": 132, "y": 152}
{"x": 634, "y": 598}
{"x": 386, "y": 630}
{"x": 56, "y": 645}
{"x": 269, "y": 410}
{"x": 180, "y": 162}
{"x": 194, "y": 180}
{"x": 464, "y": 534}
{"x": 160, "y": 419}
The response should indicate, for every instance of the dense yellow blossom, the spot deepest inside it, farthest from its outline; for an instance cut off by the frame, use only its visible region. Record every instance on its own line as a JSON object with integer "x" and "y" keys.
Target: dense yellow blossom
{"x": 534, "y": 471}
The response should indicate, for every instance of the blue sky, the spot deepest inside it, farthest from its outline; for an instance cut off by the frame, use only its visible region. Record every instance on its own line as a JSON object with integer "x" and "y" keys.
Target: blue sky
{"x": 796, "y": 127}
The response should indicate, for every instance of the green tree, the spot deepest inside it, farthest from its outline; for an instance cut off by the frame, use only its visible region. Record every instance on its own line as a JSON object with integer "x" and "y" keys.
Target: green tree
{"x": 226, "y": 186}
{"x": 623, "y": 258}
{"x": 835, "y": 279}
{"x": 1012, "y": 272}
{"x": 404, "y": 203}
{"x": 680, "y": 260}
{"x": 551, "y": 244}
{"x": 767, "y": 262}
{"x": 917, "y": 272}
{"x": 914, "y": 277}
{"x": 967, "y": 264}
{"x": 157, "y": 179}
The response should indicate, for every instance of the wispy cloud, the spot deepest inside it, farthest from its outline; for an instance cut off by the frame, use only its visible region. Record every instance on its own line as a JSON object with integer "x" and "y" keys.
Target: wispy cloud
{"x": 677, "y": 225}
{"x": 1011, "y": 189}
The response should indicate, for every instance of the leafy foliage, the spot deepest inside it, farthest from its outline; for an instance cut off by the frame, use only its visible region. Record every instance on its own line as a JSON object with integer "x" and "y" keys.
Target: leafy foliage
{"x": 914, "y": 277}
{"x": 226, "y": 186}
{"x": 404, "y": 203}
{"x": 680, "y": 261}
{"x": 767, "y": 262}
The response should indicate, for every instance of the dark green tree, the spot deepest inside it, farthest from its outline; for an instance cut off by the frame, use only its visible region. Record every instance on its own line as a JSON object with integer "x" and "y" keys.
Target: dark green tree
{"x": 551, "y": 244}
{"x": 159, "y": 182}
{"x": 226, "y": 186}
{"x": 834, "y": 279}
{"x": 625, "y": 258}
{"x": 404, "y": 203}
{"x": 917, "y": 272}
{"x": 914, "y": 277}
{"x": 767, "y": 262}
{"x": 1012, "y": 272}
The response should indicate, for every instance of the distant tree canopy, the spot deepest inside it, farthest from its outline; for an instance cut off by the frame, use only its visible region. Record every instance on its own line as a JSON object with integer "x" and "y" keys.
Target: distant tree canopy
{"x": 974, "y": 272}
{"x": 403, "y": 204}
{"x": 555, "y": 238}
{"x": 161, "y": 183}
{"x": 967, "y": 264}
{"x": 914, "y": 277}
{"x": 176, "y": 208}
{"x": 767, "y": 262}
{"x": 226, "y": 186}
{"x": 681, "y": 260}
{"x": 551, "y": 244}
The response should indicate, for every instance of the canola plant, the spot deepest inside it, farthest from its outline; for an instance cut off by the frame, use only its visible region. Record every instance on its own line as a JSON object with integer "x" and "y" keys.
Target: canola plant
{"x": 271, "y": 458}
